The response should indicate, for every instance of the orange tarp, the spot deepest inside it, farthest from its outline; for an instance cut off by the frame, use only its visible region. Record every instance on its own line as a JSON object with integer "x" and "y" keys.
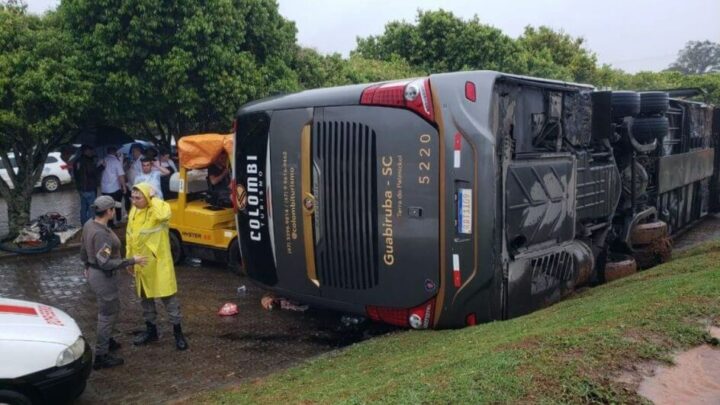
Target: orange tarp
{"x": 199, "y": 151}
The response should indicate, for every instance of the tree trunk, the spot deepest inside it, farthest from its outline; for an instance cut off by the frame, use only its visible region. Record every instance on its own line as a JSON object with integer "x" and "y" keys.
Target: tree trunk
{"x": 18, "y": 208}
{"x": 20, "y": 196}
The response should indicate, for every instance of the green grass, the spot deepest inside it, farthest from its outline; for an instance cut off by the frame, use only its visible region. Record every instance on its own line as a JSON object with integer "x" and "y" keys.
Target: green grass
{"x": 568, "y": 353}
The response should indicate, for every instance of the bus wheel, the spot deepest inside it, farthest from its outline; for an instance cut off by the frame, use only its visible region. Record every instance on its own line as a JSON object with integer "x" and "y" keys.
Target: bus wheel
{"x": 176, "y": 248}
{"x": 625, "y": 104}
{"x": 654, "y": 102}
{"x": 619, "y": 266}
{"x": 645, "y": 234}
{"x": 657, "y": 252}
{"x": 234, "y": 259}
{"x": 647, "y": 129}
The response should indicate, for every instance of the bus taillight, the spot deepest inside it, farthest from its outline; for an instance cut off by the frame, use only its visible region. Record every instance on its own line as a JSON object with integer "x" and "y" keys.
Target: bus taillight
{"x": 417, "y": 318}
{"x": 414, "y": 95}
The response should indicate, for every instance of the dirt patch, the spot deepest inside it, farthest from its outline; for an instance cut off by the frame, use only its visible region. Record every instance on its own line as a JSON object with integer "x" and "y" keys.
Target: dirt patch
{"x": 692, "y": 380}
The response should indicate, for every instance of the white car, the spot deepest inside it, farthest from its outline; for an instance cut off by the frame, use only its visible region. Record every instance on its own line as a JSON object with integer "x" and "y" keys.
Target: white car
{"x": 55, "y": 172}
{"x": 44, "y": 357}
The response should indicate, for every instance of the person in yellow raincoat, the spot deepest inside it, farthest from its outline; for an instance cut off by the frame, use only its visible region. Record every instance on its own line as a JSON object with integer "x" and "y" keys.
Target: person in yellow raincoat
{"x": 148, "y": 235}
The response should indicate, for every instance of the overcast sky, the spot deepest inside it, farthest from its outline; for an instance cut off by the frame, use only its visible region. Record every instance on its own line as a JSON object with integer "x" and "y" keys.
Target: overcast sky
{"x": 632, "y": 35}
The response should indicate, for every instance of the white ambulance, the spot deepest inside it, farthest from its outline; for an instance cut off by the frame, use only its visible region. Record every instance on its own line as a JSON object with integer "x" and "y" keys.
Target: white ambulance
{"x": 43, "y": 356}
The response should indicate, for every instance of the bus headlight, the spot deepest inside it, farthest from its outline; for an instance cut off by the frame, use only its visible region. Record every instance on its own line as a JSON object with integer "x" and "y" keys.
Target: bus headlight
{"x": 72, "y": 353}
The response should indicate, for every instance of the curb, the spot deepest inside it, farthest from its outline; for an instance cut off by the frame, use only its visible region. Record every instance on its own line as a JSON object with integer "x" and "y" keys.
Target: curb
{"x": 63, "y": 248}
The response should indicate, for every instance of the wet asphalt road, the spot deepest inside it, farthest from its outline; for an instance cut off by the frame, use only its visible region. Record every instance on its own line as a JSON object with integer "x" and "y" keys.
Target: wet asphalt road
{"x": 223, "y": 350}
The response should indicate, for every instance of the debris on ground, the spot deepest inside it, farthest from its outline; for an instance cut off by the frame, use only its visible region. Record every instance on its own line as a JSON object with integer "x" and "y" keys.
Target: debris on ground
{"x": 269, "y": 302}
{"x": 242, "y": 290}
{"x": 41, "y": 235}
{"x": 292, "y": 306}
{"x": 351, "y": 320}
{"x": 228, "y": 309}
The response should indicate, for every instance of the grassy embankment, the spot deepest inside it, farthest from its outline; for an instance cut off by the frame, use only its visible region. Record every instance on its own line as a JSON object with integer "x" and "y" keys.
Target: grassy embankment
{"x": 569, "y": 352}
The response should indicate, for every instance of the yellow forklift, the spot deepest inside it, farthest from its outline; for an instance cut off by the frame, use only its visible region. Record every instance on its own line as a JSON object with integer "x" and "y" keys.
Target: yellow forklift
{"x": 200, "y": 227}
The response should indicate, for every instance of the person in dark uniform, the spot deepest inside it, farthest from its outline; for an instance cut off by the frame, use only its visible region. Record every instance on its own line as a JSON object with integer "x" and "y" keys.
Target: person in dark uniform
{"x": 87, "y": 180}
{"x": 219, "y": 182}
{"x": 100, "y": 253}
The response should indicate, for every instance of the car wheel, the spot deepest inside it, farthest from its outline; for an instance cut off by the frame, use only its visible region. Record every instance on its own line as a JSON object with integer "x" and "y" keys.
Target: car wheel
{"x": 645, "y": 234}
{"x": 625, "y": 104}
{"x": 14, "y": 398}
{"x": 647, "y": 129}
{"x": 234, "y": 258}
{"x": 176, "y": 248}
{"x": 619, "y": 266}
{"x": 50, "y": 184}
{"x": 654, "y": 102}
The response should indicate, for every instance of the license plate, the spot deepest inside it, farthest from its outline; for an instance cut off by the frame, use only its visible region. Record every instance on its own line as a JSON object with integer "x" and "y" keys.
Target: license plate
{"x": 464, "y": 221}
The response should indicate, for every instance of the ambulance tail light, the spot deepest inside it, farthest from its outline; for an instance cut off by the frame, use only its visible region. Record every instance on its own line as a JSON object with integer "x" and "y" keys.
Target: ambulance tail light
{"x": 418, "y": 317}
{"x": 413, "y": 95}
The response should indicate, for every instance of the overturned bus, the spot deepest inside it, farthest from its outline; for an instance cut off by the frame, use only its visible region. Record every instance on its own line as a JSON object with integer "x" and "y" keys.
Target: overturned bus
{"x": 461, "y": 198}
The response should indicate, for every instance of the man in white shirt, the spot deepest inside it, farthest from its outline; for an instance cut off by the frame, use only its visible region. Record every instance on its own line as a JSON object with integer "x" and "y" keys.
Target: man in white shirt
{"x": 133, "y": 168}
{"x": 151, "y": 173}
{"x": 112, "y": 182}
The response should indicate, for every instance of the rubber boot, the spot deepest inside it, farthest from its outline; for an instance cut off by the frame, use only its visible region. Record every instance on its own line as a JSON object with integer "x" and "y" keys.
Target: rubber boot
{"x": 107, "y": 361}
{"x": 114, "y": 345}
{"x": 180, "y": 341}
{"x": 149, "y": 335}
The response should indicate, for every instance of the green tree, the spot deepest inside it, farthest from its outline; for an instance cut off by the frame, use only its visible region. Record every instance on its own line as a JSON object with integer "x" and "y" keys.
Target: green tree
{"x": 614, "y": 79}
{"x": 698, "y": 57}
{"x": 42, "y": 97}
{"x": 362, "y": 70}
{"x": 557, "y": 55}
{"x": 709, "y": 82}
{"x": 441, "y": 42}
{"x": 177, "y": 67}
{"x": 315, "y": 70}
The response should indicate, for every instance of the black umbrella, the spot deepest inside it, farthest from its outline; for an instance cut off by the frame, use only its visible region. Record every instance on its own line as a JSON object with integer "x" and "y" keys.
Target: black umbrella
{"x": 102, "y": 135}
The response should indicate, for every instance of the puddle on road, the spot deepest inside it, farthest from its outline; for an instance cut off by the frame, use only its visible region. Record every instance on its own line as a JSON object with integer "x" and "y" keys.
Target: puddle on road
{"x": 694, "y": 379}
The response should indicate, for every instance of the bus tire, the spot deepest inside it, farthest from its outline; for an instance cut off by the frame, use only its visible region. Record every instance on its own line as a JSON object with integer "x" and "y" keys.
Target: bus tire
{"x": 645, "y": 234}
{"x": 234, "y": 259}
{"x": 658, "y": 252}
{"x": 654, "y": 102}
{"x": 619, "y": 266}
{"x": 647, "y": 129}
{"x": 625, "y": 104}
{"x": 176, "y": 248}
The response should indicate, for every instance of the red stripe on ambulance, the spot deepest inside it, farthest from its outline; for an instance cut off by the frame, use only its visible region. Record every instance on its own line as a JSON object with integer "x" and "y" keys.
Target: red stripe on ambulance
{"x": 17, "y": 310}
